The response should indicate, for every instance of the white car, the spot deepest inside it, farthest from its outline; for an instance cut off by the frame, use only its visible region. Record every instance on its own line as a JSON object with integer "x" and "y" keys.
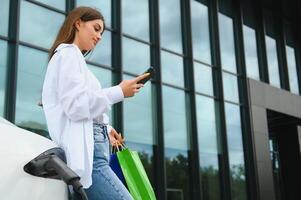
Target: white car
{"x": 31, "y": 166}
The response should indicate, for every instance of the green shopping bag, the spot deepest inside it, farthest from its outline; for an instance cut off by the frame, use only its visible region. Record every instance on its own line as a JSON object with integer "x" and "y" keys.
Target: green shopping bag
{"x": 135, "y": 175}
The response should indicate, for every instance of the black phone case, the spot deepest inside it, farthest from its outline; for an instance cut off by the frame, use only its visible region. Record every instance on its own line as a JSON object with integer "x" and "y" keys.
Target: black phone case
{"x": 149, "y": 70}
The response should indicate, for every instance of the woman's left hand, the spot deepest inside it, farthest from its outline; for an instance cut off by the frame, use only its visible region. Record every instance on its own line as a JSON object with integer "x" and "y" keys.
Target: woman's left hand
{"x": 115, "y": 138}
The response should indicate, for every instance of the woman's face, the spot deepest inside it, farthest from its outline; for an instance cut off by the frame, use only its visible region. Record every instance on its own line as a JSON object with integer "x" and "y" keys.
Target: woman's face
{"x": 88, "y": 34}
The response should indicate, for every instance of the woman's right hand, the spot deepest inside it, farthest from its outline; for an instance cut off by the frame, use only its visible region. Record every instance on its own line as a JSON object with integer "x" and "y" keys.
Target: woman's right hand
{"x": 130, "y": 87}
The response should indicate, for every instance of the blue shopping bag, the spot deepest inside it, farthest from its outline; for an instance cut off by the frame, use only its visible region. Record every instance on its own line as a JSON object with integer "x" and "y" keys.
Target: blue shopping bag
{"x": 115, "y": 166}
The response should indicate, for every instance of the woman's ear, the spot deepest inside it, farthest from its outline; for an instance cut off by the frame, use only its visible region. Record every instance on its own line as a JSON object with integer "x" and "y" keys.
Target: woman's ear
{"x": 77, "y": 24}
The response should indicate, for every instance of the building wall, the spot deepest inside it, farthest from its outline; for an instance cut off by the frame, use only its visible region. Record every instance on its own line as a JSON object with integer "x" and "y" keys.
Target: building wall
{"x": 191, "y": 122}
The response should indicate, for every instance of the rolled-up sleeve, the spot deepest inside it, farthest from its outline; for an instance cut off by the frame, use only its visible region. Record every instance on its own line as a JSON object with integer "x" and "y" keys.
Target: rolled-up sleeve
{"x": 78, "y": 101}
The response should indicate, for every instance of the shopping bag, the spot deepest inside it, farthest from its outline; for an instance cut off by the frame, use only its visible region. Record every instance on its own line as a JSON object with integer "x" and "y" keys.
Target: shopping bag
{"x": 115, "y": 166}
{"x": 135, "y": 175}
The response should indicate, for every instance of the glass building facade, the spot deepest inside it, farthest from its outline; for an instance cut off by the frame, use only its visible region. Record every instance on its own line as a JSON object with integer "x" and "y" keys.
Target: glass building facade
{"x": 190, "y": 123}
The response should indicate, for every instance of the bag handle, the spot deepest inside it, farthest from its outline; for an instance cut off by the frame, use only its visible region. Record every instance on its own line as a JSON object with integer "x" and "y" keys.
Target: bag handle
{"x": 118, "y": 148}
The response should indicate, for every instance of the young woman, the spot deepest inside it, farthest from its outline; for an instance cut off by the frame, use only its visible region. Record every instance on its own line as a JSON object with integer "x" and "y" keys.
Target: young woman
{"x": 76, "y": 105}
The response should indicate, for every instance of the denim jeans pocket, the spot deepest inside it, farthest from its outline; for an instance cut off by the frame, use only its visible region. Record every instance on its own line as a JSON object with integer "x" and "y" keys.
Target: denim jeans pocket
{"x": 100, "y": 135}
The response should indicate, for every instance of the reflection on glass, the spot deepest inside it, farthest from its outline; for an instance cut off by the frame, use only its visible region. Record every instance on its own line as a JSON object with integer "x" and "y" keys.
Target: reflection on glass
{"x": 292, "y": 69}
{"x": 135, "y": 55}
{"x": 210, "y": 176}
{"x": 177, "y": 174}
{"x": 102, "y": 53}
{"x": 172, "y": 69}
{"x": 208, "y": 150}
{"x": 35, "y": 27}
{"x": 272, "y": 61}
{"x": 146, "y": 156}
{"x": 174, "y": 112}
{"x": 4, "y": 15}
{"x": 31, "y": 71}
{"x": 252, "y": 66}
{"x": 59, "y": 4}
{"x": 227, "y": 43}
{"x": 206, "y": 123}
{"x": 135, "y": 18}
{"x": 104, "y": 6}
{"x": 138, "y": 126}
{"x": 230, "y": 87}
{"x": 104, "y": 76}
{"x": 200, "y": 32}
{"x": 203, "y": 78}
{"x": 3, "y": 69}
{"x": 236, "y": 153}
{"x": 170, "y": 25}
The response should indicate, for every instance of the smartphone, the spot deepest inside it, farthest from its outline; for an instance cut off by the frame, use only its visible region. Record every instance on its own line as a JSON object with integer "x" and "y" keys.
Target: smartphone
{"x": 151, "y": 75}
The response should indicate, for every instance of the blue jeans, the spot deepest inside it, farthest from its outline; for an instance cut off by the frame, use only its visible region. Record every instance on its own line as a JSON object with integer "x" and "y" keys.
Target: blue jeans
{"x": 105, "y": 184}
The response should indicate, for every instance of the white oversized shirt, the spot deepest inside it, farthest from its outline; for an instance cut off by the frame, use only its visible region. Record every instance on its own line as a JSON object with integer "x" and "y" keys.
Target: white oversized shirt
{"x": 72, "y": 99}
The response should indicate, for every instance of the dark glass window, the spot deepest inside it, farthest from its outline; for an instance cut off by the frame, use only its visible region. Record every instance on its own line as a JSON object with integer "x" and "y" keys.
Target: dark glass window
{"x": 172, "y": 69}
{"x": 4, "y": 15}
{"x": 230, "y": 87}
{"x": 176, "y": 143}
{"x": 135, "y": 55}
{"x": 203, "y": 78}
{"x": 135, "y": 18}
{"x": 226, "y": 35}
{"x": 252, "y": 66}
{"x": 170, "y": 25}
{"x": 236, "y": 152}
{"x": 200, "y": 32}
{"x": 31, "y": 71}
{"x": 291, "y": 58}
{"x": 104, "y": 6}
{"x": 35, "y": 27}
{"x": 292, "y": 69}
{"x": 208, "y": 149}
{"x": 3, "y": 69}
{"x": 271, "y": 48}
{"x": 249, "y": 34}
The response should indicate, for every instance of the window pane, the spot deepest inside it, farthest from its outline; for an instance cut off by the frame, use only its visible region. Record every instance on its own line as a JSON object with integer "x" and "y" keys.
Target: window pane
{"x": 35, "y": 26}
{"x": 104, "y": 76}
{"x": 230, "y": 87}
{"x": 172, "y": 69}
{"x": 252, "y": 66}
{"x": 174, "y": 112}
{"x": 272, "y": 59}
{"x": 138, "y": 126}
{"x": 292, "y": 69}
{"x": 203, "y": 78}
{"x": 206, "y": 123}
{"x": 170, "y": 25}
{"x": 102, "y": 53}
{"x": 210, "y": 176}
{"x": 236, "y": 153}
{"x": 135, "y": 18}
{"x": 59, "y": 4}
{"x": 177, "y": 174}
{"x": 104, "y": 6}
{"x": 4, "y": 15}
{"x": 136, "y": 56}
{"x": 208, "y": 149}
{"x": 3, "y": 69}
{"x": 200, "y": 32}
{"x": 31, "y": 71}
{"x": 227, "y": 43}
